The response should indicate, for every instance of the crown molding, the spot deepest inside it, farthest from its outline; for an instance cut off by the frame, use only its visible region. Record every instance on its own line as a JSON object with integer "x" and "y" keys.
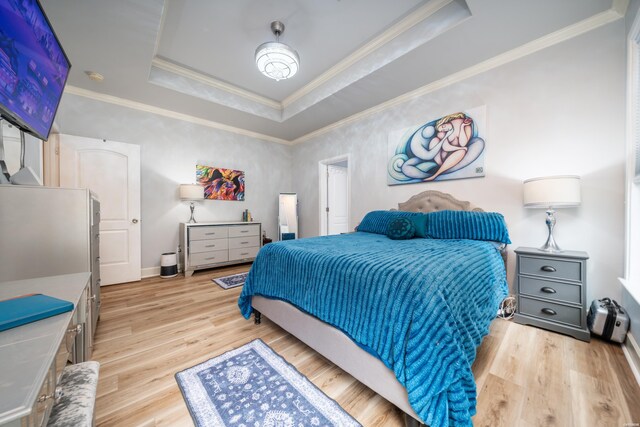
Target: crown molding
{"x": 85, "y": 93}
{"x": 617, "y": 11}
{"x": 171, "y": 67}
{"x": 358, "y": 55}
{"x": 391, "y": 33}
{"x": 620, "y": 6}
{"x": 543, "y": 42}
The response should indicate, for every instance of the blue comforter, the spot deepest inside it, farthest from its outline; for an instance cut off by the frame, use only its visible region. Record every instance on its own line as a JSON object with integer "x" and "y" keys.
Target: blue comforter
{"x": 422, "y": 306}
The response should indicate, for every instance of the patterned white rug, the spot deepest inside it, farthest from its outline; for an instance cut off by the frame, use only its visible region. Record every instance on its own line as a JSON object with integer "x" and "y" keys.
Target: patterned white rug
{"x": 233, "y": 281}
{"x": 253, "y": 386}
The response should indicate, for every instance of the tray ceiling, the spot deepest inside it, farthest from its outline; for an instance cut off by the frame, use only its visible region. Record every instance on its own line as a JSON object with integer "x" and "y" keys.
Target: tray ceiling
{"x": 196, "y": 57}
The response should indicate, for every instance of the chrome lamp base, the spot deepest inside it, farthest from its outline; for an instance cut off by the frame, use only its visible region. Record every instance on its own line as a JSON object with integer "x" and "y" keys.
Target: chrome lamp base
{"x": 550, "y": 245}
{"x": 192, "y": 220}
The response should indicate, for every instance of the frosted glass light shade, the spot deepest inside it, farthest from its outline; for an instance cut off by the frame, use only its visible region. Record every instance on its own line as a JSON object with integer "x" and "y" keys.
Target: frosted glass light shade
{"x": 552, "y": 192}
{"x": 191, "y": 192}
{"x": 277, "y": 60}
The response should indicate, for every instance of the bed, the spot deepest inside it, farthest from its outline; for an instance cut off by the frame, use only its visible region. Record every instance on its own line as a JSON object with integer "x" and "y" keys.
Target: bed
{"x": 419, "y": 363}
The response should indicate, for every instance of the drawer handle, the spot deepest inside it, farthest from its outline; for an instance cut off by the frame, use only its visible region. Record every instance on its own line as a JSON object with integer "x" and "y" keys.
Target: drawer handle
{"x": 549, "y": 311}
{"x": 244, "y": 253}
{"x": 57, "y": 394}
{"x": 244, "y": 231}
{"x": 212, "y": 257}
{"x": 244, "y": 243}
{"x": 548, "y": 269}
{"x": 548, "y": 290}
{"x": 210, "y": 234}
{"x": 210, "y": 246}
{"x": 75, "y": 330}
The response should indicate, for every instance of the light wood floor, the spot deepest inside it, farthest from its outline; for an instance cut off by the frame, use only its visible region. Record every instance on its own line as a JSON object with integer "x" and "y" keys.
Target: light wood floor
{"x": 152, "y": 329}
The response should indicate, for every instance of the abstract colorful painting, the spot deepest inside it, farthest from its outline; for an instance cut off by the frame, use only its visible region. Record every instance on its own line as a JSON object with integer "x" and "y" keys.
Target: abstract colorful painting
{"x": 220, "y": 184}
{"x": 449, "y": 147}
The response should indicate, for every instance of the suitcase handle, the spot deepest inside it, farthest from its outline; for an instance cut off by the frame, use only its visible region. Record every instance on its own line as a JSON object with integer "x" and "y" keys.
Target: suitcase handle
{"x": 548, "y": 290}
{"x": 548, "y": 311}
{"x": 548, "y": 269}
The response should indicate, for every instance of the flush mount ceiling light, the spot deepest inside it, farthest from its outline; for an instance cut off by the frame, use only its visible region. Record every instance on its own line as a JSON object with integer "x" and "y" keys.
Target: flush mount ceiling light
{"x": 277, "y": 60}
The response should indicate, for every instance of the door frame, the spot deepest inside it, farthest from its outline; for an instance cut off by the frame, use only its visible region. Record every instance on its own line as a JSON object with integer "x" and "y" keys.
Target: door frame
{"x": 322, "y": 180}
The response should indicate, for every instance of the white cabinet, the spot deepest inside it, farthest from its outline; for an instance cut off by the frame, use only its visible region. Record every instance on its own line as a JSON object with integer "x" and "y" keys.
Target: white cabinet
{"x": 51, "y": 231}
{"x": 214, "y": 244}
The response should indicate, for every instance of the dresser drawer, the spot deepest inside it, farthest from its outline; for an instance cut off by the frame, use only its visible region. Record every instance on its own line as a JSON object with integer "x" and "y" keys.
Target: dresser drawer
{"x": 208, "y": 245}
{"x": 567, "y": 292}
{"x": 550, "y": 311}
{"x": 66, "y": 348}
{"x": 553, "y": 268}
{"x": 46, "y": 398}
{"x": 204, "y": 258}
{"x": 208, "y": 232}
{"x": 242, "y": 253}
{"x": 244, "y": 230}
{"x": 244, "y": 242}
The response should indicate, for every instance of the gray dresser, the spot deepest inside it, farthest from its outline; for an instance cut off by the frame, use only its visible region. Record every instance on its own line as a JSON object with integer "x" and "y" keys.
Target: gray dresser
{"x": 51, "y": 231}
{"x": 33, "y": 355}
{"x": 552, "y": 289}
{"x": 214, "y": 244}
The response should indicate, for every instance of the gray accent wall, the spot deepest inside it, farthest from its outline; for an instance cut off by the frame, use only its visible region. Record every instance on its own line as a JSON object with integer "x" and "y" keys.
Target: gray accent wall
{"x": 170, "y": 150}
{"x": 558, "y": 111}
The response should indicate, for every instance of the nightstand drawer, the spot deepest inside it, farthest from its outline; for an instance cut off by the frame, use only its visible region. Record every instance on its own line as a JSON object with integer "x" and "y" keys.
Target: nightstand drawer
{"x": 567, "y": 292}
{"x": 205, "y": 258}
{"x": 550, "y": 311}
{"x": 208, "y": 245}
{"x": 553, "y": 268}
{"x": 208, "y": 232}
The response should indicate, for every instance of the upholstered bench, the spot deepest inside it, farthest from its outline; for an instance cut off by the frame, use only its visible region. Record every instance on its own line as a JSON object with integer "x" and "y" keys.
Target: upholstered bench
{"x": 74, "y": 408}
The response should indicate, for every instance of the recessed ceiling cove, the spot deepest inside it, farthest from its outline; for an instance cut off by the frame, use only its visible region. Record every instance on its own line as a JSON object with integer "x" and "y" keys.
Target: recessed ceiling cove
{"x": 206, "y": 49}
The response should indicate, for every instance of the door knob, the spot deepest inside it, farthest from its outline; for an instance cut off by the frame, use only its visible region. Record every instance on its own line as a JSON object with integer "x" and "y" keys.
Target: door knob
{"x": 134, "y": 220}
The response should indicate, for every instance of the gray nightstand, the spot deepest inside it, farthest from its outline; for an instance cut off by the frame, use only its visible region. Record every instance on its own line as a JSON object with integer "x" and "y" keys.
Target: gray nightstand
{"x": 552, "y": 291}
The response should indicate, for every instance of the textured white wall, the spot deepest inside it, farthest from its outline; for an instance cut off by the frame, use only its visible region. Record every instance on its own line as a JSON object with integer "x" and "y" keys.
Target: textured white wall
{"x": 558, "y": 111}
{"x": 170, "y": 150}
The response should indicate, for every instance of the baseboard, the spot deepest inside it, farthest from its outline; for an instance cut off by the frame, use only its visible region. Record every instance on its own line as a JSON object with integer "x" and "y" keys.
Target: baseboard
{"x": 631, "y": 351}
{"x": 150, "y": 272}
{"x": 154, "y": 271}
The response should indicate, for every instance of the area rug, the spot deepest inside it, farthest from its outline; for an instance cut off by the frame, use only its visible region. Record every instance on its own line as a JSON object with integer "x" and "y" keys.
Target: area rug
{"x": 253, "y": 386}
{"x": 228, "y": 282}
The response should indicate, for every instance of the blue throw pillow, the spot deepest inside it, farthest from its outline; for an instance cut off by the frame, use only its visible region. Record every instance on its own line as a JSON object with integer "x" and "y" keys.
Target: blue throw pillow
{"x": 420, "y": 224}
{"x": 378, "y": 221}
{"x": 401, "y": 229}
{"x": 488, "y": 226}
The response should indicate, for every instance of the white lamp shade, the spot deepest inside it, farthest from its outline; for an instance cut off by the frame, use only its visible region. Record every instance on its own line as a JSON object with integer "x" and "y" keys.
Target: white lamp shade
{"x": 191, "y": 192}
{"x": 552, "y": 192}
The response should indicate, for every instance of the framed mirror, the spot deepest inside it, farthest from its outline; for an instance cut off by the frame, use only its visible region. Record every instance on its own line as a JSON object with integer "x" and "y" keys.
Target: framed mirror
{"x": 288, "y": 216}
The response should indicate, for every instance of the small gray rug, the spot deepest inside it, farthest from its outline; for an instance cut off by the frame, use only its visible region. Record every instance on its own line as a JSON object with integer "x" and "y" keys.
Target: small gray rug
{"x": 233, "y": 281}
{"x": 253, "y": 386}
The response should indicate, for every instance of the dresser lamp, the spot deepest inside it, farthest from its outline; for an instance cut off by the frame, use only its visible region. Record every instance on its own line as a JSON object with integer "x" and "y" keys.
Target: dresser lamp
{"x": 552, "y": 192}
{"x": 192, "y": 193}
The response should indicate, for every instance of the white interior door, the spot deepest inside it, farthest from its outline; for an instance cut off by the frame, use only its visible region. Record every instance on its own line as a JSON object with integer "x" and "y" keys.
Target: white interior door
{"x": 337, "y": 200}
{"x": 112, "y": 171}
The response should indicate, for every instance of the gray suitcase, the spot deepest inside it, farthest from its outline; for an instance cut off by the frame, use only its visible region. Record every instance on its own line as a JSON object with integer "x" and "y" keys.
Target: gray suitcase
{"x": 608, "y": 320}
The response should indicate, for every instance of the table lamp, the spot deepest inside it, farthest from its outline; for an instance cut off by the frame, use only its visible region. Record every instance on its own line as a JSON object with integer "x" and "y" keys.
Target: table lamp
{"x": 191, "y": 192}
{"x": 552, "y": 192}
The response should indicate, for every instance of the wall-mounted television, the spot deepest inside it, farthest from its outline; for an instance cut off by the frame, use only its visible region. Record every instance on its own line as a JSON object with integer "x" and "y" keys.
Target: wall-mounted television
{"x": 33, "y": 67}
